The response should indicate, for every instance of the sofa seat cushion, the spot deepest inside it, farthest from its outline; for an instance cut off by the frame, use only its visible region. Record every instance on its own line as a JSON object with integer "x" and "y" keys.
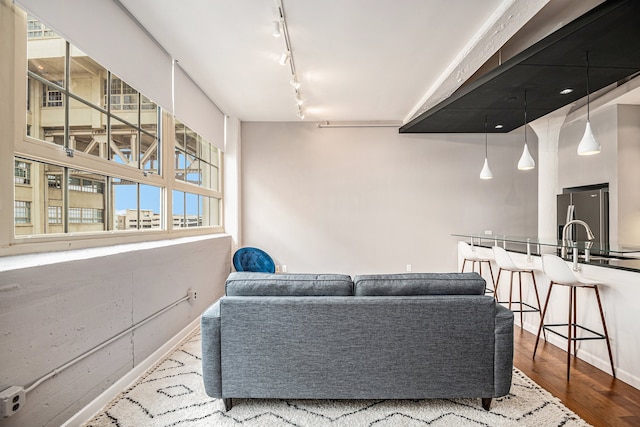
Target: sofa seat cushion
{"x": 267, "y": 284}
{"x": 408, "y": 284}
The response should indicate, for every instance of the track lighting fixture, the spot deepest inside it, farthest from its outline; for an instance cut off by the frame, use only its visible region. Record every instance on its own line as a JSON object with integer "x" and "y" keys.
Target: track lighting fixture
{"x": 280, "y": 29}
{"x": 588, "y": 144}
{"x": 526, "y": 162}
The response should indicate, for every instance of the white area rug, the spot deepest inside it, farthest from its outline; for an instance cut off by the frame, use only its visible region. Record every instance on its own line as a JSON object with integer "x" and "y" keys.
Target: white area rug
{"x": 172, "y": 394}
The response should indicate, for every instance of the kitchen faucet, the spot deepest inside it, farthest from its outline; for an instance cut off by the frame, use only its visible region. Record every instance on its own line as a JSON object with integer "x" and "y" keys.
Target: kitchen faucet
{"x": 590, "y": 236}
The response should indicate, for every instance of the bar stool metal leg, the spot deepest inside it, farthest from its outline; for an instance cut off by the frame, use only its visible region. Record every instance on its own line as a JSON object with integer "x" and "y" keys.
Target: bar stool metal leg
{"x": 535, "y": 289}
{"x": 606, "y": 334}
{"x": 544, "y": 311}
{"x": 492, "y": 278}
{"x": 570, "y": 329}
{"x": 575, "y": 322}
{"x": 495, "y": 288}
{"x": 510, "y": 288}
{"x": 520, "y": 289}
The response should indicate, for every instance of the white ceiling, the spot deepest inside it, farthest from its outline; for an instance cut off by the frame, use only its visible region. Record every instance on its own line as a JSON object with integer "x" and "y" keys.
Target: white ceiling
{"x": 357, "y": 60}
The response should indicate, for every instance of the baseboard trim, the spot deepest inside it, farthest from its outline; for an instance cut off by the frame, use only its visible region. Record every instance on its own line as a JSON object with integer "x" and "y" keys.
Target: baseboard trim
{"x": 131, "y": 377}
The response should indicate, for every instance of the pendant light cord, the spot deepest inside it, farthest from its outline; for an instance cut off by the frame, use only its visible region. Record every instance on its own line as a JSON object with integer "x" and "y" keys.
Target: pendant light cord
{"x": 587, "y": 85}
{"x": 485, "y": 137}
{"x": 525, "y": 117}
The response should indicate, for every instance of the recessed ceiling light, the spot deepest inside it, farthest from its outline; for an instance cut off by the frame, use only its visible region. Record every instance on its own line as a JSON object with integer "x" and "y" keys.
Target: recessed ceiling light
{"x": 566, "y": 91}
{"x": 499, "y": 126}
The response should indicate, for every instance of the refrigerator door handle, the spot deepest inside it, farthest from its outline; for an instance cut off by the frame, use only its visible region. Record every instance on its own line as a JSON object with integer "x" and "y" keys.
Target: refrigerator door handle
{"x": 571, "y": 215}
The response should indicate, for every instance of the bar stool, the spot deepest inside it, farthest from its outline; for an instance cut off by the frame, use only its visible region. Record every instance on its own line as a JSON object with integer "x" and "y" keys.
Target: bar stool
{"x": 470, "y": 255}
{"x": 504, "y": 262}
{"x": 560, "y": 274}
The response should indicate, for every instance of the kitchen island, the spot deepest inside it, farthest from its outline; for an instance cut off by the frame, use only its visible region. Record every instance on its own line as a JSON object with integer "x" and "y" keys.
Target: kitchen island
{"x": 617, "y": 268}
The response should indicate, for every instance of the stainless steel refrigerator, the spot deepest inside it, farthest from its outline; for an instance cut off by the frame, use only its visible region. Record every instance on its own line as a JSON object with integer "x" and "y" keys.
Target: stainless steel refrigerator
{"x": 589, "y": 205}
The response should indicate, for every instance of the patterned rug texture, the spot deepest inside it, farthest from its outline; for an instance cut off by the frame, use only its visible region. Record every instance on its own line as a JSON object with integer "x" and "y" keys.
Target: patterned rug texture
{"x": 172, "y": 394}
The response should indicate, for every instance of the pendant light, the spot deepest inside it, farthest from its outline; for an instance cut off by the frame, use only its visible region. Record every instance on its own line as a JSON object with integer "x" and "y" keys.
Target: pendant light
{"x": 526, "y": 162}
{"x": 485, "y": 173}
{"x": 588, "y": 144}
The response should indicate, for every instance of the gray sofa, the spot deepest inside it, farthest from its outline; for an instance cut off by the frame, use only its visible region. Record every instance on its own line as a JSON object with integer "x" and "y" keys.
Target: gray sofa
{"x": 399, "y": 336}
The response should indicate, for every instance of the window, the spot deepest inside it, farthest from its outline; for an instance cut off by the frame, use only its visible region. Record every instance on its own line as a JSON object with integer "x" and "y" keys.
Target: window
{"x": 22, "y": 172}
{"x": 111, "y": 178}
{"x": 22, "y": 212}
{"x": 55, "y": 214}
{"x": 75, "y": 215}
{"x": 92, "y": 216}
{"x": 123, "y": 129}
{"x": 36, "y": 28}
{"x": 54, "y": 181}
{"x": 51, "y": 97}
{"x": 123, "y": 96}
{"x": 196, "y": 159}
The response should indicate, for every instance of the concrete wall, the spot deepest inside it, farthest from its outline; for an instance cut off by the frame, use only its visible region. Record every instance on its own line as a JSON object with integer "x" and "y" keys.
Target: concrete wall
{"x": 52, "y": 311}
{"x": 369, "y": 200}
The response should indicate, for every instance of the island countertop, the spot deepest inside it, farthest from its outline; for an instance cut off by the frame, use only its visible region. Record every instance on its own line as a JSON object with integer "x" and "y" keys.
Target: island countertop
{"x": 624, "y": 257}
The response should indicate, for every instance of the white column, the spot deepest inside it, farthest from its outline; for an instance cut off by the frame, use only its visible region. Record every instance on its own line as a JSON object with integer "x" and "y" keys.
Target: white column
{"x": 547, "y": 130}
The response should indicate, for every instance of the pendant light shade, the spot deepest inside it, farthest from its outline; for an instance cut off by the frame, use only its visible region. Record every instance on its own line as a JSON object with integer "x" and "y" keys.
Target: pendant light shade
{"x": 588, "y": 144}
{"x": 526, "y": 161}
{"x": 485, "y": 173}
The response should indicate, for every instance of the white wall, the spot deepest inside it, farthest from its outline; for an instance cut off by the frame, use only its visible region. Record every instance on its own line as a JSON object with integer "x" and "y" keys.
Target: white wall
{"x": 231, "y": 182}
{"x": 51, "y": 313}
{"x": 617, "y": 129}
{"x": 369, "y": 200}
{"x": 629, "y": 173}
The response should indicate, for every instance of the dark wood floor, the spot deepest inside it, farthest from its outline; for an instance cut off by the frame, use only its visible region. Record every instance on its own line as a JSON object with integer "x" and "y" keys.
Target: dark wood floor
{"x": 594, "y": 395}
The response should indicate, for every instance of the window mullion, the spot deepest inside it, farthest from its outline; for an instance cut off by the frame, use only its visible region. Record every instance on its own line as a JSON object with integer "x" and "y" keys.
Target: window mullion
{"x": 65, "y": 199}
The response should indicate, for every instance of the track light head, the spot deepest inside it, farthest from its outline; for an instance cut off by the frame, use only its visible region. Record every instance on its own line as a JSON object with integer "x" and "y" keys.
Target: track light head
{"x": 276, "y": 29}
{"x": 284, "y": 58}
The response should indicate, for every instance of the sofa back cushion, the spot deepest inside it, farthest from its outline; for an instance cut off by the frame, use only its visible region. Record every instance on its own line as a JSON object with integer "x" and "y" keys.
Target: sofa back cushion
{"x": 419, "y": 284}
{"x": 267, "y": 284}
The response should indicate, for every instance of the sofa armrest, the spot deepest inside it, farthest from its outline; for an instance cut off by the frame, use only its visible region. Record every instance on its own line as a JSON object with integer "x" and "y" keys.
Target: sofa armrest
{"x": 211, "y": 366}
{"x": 503, "y": 362}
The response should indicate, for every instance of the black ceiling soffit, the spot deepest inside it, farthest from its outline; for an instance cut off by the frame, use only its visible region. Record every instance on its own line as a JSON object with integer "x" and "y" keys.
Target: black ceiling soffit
{"x": 610, "y": 33}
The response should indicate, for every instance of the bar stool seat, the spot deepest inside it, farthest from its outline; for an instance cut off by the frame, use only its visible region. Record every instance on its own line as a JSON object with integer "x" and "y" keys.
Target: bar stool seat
{"x": 469, "y": 254}
{"x": 506, "y": 263}
{"x": 560, "y": 274}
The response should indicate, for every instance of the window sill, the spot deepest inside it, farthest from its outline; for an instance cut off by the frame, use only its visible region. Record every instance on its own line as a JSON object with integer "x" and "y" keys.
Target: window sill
{"x": 19, "y": 261}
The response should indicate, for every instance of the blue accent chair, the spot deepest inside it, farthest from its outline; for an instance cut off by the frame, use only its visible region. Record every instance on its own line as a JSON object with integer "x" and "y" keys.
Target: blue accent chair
{"x": 253, "y": 259}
